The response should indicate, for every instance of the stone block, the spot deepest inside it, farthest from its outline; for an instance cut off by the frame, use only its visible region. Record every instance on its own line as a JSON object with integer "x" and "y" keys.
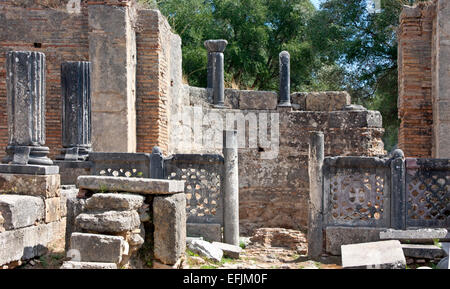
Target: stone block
{"x": 229, "y": 250}
{"x": 98, "y": 248}
{"x": 355, "y": 119}
{"x": 47, "y": 186}
{"x": 443, "y": 264}
{"x": 87, "y": 265}
{"x": 374, "y": 255}
{"x": 418, "y": 236}
{"x": 29, "y": 169}
{"x": 327, "y": 101}
{"x": 298, "y": 100}
{"x": 209, "y": 232}
{"x": 446, "y": 248}
{"x": 70, "y": 171}
{"x": 20, "y": 211}
{"x": 131, "y": 185}
{"x": 338, "y": 236}
{"x": 67, "y": 192}
{"x": 75, "y": 206}
{"x": 205, "y": 249}
{"x": 114, "y": 202}
{"x": 159, "y": 265}
{"x": 52, "y": 209}
{"x": 29, "y": 242}
{"x": 169, "y": 220}
{"x": 423, "y": 251}
{"x": 257, "y": 100}
{"x": 109, "y": 222}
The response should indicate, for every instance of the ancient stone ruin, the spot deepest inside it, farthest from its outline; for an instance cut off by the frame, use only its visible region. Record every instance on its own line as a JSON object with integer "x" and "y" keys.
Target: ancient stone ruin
{"x": 108, "y": 150}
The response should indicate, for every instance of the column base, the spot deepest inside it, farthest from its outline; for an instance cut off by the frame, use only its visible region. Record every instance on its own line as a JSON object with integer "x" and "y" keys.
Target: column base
{"x": 27, "y": 155}
{"x": 74, "y": 154}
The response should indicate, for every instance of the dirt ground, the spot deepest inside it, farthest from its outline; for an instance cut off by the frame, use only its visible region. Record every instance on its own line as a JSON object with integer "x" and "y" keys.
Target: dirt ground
{"x": 257, "y": 255}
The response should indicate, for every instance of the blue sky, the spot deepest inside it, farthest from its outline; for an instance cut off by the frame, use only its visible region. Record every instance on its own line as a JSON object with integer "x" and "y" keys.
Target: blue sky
{"x": 316, "y": 2}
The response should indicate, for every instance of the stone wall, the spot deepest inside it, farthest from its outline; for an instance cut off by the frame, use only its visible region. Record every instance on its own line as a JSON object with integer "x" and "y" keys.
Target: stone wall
{"x": 32, "y": 217}
{"x": 423, "y": 103}
{"x": 274, "y": 183}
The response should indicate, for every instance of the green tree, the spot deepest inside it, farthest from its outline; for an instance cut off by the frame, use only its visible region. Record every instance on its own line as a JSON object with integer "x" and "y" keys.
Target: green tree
{"x": 364, "y": 44}
{"x": 257, "y": 31}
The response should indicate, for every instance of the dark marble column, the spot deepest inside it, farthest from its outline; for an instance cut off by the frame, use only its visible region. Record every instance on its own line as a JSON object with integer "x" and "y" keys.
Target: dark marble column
{"x": 25, "y": 82}
{"x": 285, "y": 79}
{"x": 76, "y": 111}
{"x": 216, "y": 70}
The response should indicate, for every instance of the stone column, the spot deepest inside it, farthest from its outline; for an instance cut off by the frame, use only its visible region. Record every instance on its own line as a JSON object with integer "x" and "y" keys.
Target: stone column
{"x": 216, "y": 70}
{"x": 112, "y": 49}
{"x": 398, "y": 189}
{"x": 231, "y": 188}
{"x": 315, "y": 218}
{"x": 285, "y": 79}
{"x": 25, "y": 80}
{"x": 441, "y": 83}
{"x": 76, "y": 114}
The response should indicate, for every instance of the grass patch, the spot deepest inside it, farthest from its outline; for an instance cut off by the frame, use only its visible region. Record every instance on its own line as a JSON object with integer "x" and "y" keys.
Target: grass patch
{"x": 437, "y": 243}
{"x": 43, "y": 261}
{"x": 242, "y": 245}
{"x": 227, "y": 260}
{"x": 57, "y": 257}
{"x": 192, "y": 254}
{"x": 208, "y": 267}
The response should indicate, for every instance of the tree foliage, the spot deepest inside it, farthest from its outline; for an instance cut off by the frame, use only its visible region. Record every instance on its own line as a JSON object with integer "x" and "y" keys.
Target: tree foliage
{"x": 342, "y": 46}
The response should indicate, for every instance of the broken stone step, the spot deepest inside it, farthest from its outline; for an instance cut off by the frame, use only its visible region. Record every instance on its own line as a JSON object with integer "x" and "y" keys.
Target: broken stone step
{"x": 20, "y": 211}
{"x": 114, "y": 202}
{"x": 87, "y": 265}
{"x": 374, "y": 255}
{"x": 97, "y": 248}
{"x": 416, "y": 236}
{"x": 132, "y": 185}
{"x": 229, "y": 250}
{"x": 109, "y": 222}
{"x": 205, "y": 249}
{"x": 423, "y": 251}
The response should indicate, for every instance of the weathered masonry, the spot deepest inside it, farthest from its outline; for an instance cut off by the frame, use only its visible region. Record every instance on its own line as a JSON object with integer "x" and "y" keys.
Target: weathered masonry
{"x": 424, "y": 98}
{"x": 131, "y": 72}
{"x": 138, "y": 99}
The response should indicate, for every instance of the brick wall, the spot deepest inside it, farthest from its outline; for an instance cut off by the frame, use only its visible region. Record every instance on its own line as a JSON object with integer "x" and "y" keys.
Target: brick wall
{"x": 153, "y": 39}
{"x": 62, "y": 36}
{"x": 415, "y": 80}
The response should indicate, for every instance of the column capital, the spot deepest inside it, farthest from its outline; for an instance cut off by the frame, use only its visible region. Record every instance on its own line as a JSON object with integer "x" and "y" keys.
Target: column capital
{"x": 217, "y": 45}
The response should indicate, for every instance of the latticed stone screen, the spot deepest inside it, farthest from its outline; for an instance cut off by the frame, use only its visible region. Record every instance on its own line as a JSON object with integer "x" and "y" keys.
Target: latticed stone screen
{"x": 356, "y": 191}
{"x": 121, "y": 164}
{"x": 204, "y": 177}
{"x": 428, "y": 193}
